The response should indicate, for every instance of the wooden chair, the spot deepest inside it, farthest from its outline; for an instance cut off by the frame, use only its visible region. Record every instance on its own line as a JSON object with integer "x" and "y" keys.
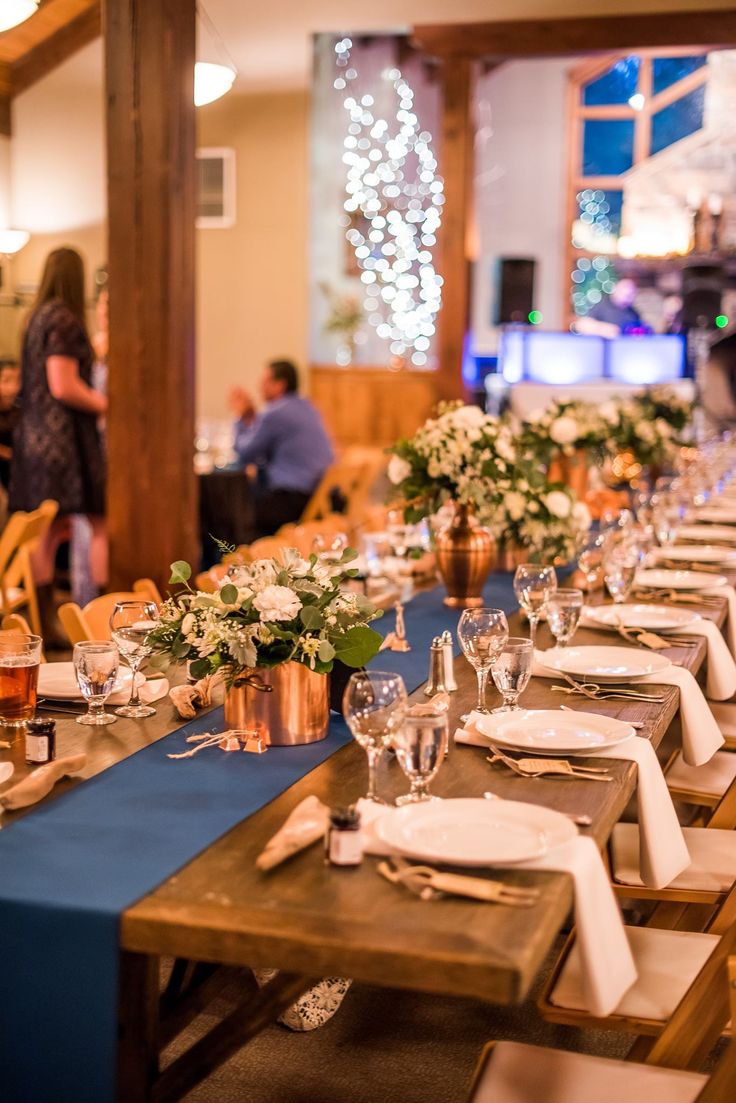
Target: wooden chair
{"x": 702, "y": 785}
{"x": 669, "y": 963}
{"x": 18, "y": 540}
{"x": 353, "y": 475}
{"x": 16, "y": 622}
{"x": 93, "y": 622}
{"x": 514, "y": 1072}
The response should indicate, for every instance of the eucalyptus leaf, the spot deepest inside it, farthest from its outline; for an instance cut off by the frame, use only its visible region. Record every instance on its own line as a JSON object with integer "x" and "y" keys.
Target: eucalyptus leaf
{"x": 199, "y": 668}
{"x": 180, "y": 572}
{"x": 326, "y": 652}
{"x": 357, "y": 646}
{"x": 229, "y": 594}
{"x": 310, "y": 617}
{"x": 180, "y": 648}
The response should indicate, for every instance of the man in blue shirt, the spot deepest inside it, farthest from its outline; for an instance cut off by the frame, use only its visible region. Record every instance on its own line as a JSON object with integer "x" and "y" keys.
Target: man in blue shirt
{"x": 286, "y": 442}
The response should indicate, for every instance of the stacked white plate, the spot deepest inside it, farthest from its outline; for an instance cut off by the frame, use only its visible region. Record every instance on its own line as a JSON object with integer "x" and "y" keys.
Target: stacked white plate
{"x": 700, "y": 553}
{"x": 553, "y": 731}
{"x": 656, "y": 618}
{"x": 604, "y": 664}
{"x": 661, "y": 579}
{"x": 708, "y": 534}
{"x": 58, "y": 682}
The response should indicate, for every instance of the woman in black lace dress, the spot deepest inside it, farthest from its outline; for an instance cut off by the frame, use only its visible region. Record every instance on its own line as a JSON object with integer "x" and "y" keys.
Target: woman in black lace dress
{"x": 57, "y": 451}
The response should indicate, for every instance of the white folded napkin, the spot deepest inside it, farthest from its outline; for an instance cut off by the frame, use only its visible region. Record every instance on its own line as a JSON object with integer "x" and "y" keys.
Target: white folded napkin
{"x": 720, "y": 669}
{"x": 730, "y": 595}
{"x": 663, "y": 853}
{"x": 701, "y": 736}
{"x": 607, "y": 961}
{"x": 148, "y": 691}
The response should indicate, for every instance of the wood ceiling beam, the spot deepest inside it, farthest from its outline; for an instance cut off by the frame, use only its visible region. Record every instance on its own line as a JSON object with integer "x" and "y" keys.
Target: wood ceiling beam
{"x": 55, "y": 49}
{"x": 554, "y": 37}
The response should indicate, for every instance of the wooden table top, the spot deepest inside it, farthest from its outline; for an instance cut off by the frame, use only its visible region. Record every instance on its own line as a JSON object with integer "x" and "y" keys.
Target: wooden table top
{"x": 311, "y": 918}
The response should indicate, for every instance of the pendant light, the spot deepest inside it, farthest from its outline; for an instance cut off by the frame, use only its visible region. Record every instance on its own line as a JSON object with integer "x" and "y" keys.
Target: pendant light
{"x": 13, "y": 12}
{"x": 212, "y": 79}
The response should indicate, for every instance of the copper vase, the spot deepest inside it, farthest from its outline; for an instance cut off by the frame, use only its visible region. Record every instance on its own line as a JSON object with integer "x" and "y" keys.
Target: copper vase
{"x": 510, "y": 555}
{"x": 294, "y": 710}
{"x": 464, "y": 558}
{"x": 572, "y": 471}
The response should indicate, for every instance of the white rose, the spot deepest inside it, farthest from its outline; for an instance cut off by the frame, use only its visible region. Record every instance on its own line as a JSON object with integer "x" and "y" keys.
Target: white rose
{"x": 398, "y": 470}
{"x": 581, "y": 516}
{"x": 515, "y": 504}
{"x": 505, "y": 449}
{"x": 564, "y": 430}
{"x": 187, "y": 625}
{"x": 277, "y": 603}
{"x": 558, "y": 503}
{"x": 535, "y": 415}
{"x": 469, "y": 417}
{"x": 609, "y": 412}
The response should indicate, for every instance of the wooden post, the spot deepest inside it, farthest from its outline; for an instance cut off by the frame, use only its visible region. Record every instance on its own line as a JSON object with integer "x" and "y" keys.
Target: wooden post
{"x": 152, "y": 507}
{"x": 456, "y": 153}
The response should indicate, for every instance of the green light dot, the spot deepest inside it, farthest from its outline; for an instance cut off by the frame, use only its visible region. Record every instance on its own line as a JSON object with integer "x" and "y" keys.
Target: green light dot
{"x": 535, "y": 317}
{"x": 721, "y": 321}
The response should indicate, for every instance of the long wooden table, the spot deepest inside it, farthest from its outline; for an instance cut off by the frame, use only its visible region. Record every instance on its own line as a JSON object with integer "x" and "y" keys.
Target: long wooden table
{"x": 310, "y": 920}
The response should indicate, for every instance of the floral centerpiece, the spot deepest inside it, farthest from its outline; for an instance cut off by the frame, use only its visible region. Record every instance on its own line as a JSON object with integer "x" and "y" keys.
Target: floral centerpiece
{"x": 544, "y": 519}
{"x": 567, "y": 426}
{"x": 273, "y": 615}
{"x": 651, "y": 425}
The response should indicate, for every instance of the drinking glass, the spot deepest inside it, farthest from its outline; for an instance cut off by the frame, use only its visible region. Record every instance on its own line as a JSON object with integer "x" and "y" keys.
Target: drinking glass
{"x": 420, "y": 745}
{"x": 96, "y": 665}
{"x": 512, "y": 671}
{"x": 590, "y": 560}
{"x": 130, "y": 624}
{"x": 482, "y": 634}
{"x": 374, "y": 706}
{"x": 329, "y": 547}
{"x": 533, "y": 585}
{"x": 563, "y": 614}
{"x": 619, "y": 570}
{"x": 20, "y": 655}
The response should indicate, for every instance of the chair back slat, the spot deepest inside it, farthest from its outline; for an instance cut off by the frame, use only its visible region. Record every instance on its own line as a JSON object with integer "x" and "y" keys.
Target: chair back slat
{"x": 93, "y": 622}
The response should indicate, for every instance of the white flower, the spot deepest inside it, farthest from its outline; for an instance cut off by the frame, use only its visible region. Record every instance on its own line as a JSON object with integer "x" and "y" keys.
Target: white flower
{"x": 505, "y": 448}
{"x": 609, "y": 412}
{"x": 581, "y": 516}
{"x": 558, "y": 503}
{"x": 564, "y": 430}
{"x": 468, "y": 417}
{"x": 277, "y": 603}
{"x": 188, "y": 624}
{"x": 515, "y": 504}
{"x": 398, "y": 470}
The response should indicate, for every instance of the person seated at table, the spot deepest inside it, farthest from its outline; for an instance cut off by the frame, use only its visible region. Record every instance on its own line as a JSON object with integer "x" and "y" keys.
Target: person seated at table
{"x": 718, "y": 396}
{"x": 286, "y": 442}
{"x": 614, "y": 314}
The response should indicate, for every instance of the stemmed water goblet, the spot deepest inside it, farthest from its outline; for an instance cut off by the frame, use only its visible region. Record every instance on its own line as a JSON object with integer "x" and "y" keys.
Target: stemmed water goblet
{"x": 96, "y": 666}
{"x": 512, "y": 671}
{"x": 420, "y": 745}
{"x": 482, "y": 634}
{"x": 590, "y": 560}
{"x": 374, "y": 706}
{"x": 533, "y": 585}
{"x": 564, "y": 609}
{"x": 619, "y": 571}
{"x": 131, "y": 623}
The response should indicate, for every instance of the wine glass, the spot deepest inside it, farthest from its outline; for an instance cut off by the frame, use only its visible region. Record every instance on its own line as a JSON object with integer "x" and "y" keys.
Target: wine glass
{"x": 512, "y": 671}
{"x": 533, "y": 585}
{"x": 482, "y": 634}
{"x": 374, "y": 706}
{"x": 564, "y": 608}
{"x": 590, "y": 560}
{"x": 328, "y": 547}
{"x": 619, "y": 569}
{"x": 130, "y": 624}
{"x": 420, "y": 745}
{"x": 96, "y": 666}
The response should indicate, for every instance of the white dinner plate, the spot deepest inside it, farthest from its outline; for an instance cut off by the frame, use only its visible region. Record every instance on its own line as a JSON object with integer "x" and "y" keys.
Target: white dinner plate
{"x": 6, "y": 771}
{"x": 58, "y": 681}
{"x": 553, "y": 731}
{"x": 708, "y": 534}
{"x": 604, "y": 664}
{"x": 701, "y": 553}
{"x": 659, "y": 578}
{"x": 660, "y": 618}
{"x": 467, "y": 831}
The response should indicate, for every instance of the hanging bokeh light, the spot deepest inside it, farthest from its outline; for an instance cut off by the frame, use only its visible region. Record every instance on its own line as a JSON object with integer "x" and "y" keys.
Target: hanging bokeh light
{"x": 392, "y": 182}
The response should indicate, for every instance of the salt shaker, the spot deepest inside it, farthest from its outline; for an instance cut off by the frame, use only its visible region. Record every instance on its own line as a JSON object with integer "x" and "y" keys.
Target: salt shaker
{"x": 436, "y": 678}
{"x": 343, "y": 840}
{"x": 449, "y": 662}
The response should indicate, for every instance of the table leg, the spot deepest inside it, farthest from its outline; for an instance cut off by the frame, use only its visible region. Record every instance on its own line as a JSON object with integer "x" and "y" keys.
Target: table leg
{"x": 138, "y": 1043}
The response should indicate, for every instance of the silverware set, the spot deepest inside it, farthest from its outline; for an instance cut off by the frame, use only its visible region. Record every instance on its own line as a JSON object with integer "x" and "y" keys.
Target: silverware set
{"x": 678, "y": 597}
{"x": 431, "y": 884}
{"x": 594, "y": 692}
{"x": 548, "y": 767}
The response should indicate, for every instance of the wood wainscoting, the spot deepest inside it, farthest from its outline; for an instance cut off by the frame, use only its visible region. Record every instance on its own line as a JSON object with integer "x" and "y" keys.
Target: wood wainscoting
{"x": 371, "y": 406}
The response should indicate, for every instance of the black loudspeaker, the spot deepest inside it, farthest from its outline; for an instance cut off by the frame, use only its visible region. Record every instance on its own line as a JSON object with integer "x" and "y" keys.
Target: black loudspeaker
{"x": 514, "y": 290}
{"x": 702, "y": 289}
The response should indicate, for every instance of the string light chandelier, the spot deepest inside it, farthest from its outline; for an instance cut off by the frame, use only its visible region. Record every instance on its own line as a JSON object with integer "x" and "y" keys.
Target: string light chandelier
{"x": 13, "y": 12}
{"x": 392, "y": 182}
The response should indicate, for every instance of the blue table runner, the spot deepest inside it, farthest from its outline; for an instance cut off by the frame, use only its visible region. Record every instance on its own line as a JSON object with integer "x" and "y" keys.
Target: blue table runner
{"x": 70, "y": 868}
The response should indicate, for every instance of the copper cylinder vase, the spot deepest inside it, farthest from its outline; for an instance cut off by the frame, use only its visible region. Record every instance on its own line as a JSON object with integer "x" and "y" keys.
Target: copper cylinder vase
{"x": 296, "y": 709}
{"x": 464, "y": 552}
{"x": 572, "y": 471}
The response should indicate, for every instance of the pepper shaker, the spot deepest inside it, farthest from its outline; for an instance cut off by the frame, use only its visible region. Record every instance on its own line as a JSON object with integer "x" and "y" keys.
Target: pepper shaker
{"x": 436, "y": 678}
{"x": 449, "y": 662}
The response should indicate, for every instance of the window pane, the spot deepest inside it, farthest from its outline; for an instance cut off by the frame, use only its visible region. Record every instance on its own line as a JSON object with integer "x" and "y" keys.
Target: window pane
{"x": 616, "y": 85}
{"x": 681, "y": 118}
{"x": 668, "y": 70}
{"x": 608, "y": 146}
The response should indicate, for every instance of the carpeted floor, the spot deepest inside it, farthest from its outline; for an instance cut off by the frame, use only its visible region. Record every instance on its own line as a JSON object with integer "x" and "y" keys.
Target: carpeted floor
{"x": 383, "y": 1046}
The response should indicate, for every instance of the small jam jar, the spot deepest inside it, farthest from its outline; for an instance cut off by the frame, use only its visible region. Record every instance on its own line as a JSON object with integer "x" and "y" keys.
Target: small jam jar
{"x": 344, "y": 841}
{"x": 40, "y": 741}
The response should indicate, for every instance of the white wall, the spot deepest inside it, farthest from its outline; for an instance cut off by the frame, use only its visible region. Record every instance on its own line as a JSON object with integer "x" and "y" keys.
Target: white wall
{"x": 519, "y": 185}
